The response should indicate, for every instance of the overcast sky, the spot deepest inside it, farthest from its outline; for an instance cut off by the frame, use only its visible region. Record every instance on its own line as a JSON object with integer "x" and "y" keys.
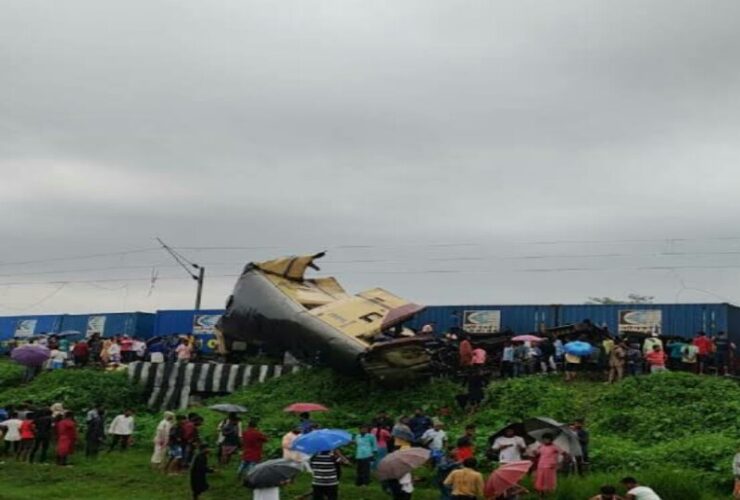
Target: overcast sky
{"x": 451, "y": 152}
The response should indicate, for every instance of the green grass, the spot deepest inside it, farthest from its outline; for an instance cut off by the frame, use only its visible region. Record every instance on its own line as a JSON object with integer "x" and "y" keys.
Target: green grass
{"x": 676, "y": 432}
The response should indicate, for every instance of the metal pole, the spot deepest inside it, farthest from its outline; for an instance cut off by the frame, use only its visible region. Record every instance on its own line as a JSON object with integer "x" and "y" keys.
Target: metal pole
{"x": 199, "y": 294}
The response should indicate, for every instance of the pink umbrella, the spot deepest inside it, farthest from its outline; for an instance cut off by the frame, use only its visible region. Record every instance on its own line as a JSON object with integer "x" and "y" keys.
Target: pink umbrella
{"x": 527, "y": 338}
{"x": 30, "y": 354}
{"x": 305, "y": 407}
{"x": 505, "y": 477}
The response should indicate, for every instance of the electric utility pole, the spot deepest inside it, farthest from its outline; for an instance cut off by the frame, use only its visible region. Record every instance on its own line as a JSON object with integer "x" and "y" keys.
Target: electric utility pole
{"x": 187, "y": 264}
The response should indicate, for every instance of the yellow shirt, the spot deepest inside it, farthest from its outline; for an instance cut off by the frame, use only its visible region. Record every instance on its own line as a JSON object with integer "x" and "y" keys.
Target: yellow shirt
{"x": 465, "y": 482}
{"x": 569, "y": 358}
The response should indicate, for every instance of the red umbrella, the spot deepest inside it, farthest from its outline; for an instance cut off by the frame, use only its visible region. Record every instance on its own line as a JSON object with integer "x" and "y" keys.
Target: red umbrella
{"x": 506, "y": 476}
{"x": 305, "y": 407}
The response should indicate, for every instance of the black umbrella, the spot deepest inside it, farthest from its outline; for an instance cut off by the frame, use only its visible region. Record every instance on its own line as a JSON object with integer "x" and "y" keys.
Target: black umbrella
{"x": 519, "y": 430}
{"x": 564, "y": 437}
{"x": 273, "y": 473}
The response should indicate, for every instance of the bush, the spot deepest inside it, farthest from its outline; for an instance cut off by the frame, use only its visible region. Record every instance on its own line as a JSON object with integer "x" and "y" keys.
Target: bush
{"x": 11, "y": 374}
{"x": 667, "y": 406}
{"x": 77, "y": 390}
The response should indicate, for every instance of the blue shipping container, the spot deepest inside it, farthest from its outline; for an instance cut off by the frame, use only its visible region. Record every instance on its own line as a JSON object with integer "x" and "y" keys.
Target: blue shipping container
{"x": 675, "y": 319}
{"x": 520, "y": 319}
{"x": 29, "y": 325}
{"x": 135, "y": 324}
{"x": 182, "y": 322}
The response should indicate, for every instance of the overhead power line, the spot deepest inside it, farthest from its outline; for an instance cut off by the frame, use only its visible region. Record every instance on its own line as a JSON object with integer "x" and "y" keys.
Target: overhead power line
{"x": 200, "y": 277}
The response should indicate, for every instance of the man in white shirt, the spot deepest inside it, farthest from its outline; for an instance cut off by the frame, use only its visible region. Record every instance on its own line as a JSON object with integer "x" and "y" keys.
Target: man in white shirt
{"x": 637, "y": 492}
{"x": 435, "y": 438}
{"x": 509, "y": 446}
{"x": 122, "y": 429}
{"x": 12, "y": 436}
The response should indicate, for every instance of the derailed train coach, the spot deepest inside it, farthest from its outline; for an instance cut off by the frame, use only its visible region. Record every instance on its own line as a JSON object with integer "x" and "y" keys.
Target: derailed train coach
{"x": 275, "y": 306}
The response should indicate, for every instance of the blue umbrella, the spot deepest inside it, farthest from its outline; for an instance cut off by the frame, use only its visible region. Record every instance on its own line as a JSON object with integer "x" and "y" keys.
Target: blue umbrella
{"x": 321, "y": 440}
{"x": 578, "y": 348}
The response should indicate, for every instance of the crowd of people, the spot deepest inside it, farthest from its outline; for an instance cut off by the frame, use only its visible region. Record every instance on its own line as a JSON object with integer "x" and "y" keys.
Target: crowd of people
{"x": 29, "y": 433}
{"x": 615, "y": 356}
{"x": 112, "y": 352}
{"x": 181, "y": 446}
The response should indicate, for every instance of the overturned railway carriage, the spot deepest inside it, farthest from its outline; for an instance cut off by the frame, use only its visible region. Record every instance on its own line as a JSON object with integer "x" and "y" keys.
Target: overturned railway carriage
{"x": 274, "y": 305}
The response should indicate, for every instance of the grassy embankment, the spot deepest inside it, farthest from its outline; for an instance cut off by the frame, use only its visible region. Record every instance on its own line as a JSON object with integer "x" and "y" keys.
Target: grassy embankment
{"x": 676, "y": 432}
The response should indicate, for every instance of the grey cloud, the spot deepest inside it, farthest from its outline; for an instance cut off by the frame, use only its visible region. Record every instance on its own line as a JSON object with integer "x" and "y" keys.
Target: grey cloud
{"x": 313, "y": 124}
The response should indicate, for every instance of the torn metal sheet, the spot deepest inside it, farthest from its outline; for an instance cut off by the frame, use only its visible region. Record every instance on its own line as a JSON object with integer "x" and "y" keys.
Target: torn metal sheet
{"x": 275, "y": 306}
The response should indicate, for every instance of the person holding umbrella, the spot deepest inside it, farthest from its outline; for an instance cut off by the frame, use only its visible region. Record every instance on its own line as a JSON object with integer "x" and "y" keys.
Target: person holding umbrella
{"x": 503, "y": 483}
{"x": 267, "y": 478}
{"x": 395, "y": 470}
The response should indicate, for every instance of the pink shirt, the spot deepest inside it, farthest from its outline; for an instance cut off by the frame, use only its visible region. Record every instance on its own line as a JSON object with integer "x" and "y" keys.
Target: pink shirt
{"x": 655, "y": 358}
{"x": 382, "y": 436}
{"x": 479, "y": 356}
{"x": 548, "y": 456}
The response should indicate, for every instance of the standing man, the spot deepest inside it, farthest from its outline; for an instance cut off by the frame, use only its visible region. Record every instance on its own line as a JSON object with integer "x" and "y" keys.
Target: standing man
{"x": 81, "y": 353}
{"x": 509, "y": 446}
{"x": 466, "y": 483}
{"x": 507, "y": 360}
{"x": 436, "y": 440}
{"x": 650, "y": 342}
{"x": 584, "y": 438}
{"x": 44, "y": 425}
{"x": 722, "y": 349}
{"x": 617, "y": 359}
{"x": 95, "y": 433}
{"x": 704, "y": 347}
{"x": 287, "y": 445}
{"x": 419, "y": 424}
{"x": 122, "y": 428}
{"x": 325, "y": 484}
{"x": 305, "y": 423}
{"x": 366, "y": 447}
{"x": 252, "y": 442}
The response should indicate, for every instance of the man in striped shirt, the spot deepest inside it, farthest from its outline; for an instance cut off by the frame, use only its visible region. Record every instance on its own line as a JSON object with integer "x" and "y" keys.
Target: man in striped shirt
{"x": 325, "y": 478}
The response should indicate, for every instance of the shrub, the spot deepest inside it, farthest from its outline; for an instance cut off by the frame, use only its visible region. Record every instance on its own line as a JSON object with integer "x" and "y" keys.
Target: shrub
{"x": 77, "y": 390}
